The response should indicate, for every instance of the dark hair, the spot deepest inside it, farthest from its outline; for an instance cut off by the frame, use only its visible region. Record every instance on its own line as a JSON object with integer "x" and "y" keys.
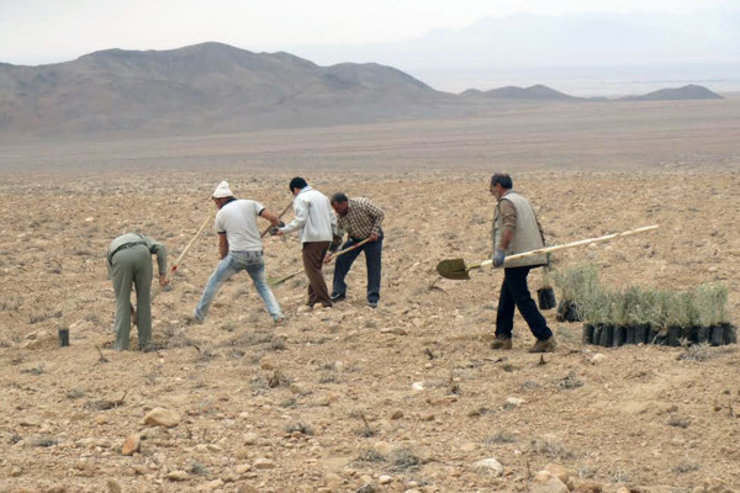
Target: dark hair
{"x": 339, "y": 198}
{"x": 297, "y": 182}
{"x": 503, "y": 179}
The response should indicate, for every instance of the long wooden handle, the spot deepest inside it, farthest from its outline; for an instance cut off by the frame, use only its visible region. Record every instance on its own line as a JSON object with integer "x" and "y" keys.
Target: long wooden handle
{"x": 340, "y": 252}
{"x": 190, "y": 243}
{"x": 173, "y": 269}
{"x": 349, "y": 249}
{"x": 262, "y": 235}
{"x": 572, "y": 244}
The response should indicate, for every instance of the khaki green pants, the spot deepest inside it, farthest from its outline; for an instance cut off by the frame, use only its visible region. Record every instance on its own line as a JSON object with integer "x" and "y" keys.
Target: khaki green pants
{"x": 132, "y": 266}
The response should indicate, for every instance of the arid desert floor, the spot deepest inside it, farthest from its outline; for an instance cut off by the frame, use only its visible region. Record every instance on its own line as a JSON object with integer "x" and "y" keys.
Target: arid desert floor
{"x": 405, "y": 398}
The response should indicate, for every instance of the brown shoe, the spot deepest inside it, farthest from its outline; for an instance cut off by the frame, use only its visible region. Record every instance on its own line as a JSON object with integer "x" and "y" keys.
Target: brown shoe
{"x": 546, "y": 346}
{"x": 501, "y": 343}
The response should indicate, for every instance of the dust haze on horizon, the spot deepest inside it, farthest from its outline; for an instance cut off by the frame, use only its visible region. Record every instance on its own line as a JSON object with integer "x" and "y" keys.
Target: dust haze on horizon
{"x": 587, "y": 48}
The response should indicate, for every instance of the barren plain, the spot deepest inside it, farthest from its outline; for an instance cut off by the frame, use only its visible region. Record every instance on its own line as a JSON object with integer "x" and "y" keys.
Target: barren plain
{"x": 408, "y": 397}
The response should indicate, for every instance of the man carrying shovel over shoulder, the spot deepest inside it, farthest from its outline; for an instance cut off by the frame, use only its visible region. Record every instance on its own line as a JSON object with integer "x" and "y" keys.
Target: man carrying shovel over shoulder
{"x": 240, "y": 248}
{"x": 516, "y": 230}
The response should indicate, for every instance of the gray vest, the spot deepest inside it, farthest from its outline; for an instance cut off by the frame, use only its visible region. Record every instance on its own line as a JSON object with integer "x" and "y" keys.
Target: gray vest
{"x": 526, "y": 235}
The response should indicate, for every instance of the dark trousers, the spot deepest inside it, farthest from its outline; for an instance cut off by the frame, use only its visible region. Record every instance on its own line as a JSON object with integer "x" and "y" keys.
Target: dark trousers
{"x": 313, "y": 259}
{"x": 515, "y": 293}
{"x": 344, "y": 262}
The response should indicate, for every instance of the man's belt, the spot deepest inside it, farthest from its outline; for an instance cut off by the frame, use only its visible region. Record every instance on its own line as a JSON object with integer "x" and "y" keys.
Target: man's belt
{"x": 125, "y": 246}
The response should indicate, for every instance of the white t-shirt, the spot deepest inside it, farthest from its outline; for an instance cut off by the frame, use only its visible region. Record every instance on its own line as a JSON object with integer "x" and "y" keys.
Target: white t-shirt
{"x": 238, "y": 219}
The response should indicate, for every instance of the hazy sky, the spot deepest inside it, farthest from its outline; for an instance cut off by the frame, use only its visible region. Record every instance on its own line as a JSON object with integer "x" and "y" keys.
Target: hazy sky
{"x": 46, "y": 31}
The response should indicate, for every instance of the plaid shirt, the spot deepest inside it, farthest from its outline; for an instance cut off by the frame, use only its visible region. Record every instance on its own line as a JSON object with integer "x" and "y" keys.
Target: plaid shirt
{"x": 363, "y": 219}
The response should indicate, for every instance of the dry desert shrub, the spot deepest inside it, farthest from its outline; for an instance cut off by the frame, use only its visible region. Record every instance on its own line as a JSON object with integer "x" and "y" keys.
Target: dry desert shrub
{"x": 550, "y": 448}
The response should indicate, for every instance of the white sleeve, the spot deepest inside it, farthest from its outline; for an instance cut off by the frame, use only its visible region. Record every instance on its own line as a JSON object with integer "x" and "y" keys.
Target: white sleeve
{"x": 219, "y": 224}
{"x": 300, "y": 206}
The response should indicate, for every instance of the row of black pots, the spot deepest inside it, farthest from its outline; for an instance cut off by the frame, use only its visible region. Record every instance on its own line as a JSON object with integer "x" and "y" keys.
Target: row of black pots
{"x": 610, "y": 335}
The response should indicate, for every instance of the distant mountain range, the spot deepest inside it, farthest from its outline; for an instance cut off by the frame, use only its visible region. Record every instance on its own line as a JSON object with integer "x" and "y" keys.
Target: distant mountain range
{"x": 214, "y": 88}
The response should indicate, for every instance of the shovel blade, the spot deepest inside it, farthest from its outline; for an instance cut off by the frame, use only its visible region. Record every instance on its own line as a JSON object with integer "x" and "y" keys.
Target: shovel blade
{"x": 454, "y": 268}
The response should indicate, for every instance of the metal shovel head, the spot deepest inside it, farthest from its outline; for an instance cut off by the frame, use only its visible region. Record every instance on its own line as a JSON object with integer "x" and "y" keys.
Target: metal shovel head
{"x": 453, "y": 268}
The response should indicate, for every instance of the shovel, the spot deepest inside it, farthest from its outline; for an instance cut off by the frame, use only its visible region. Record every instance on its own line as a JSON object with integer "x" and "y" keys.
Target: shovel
{"x": 457, "y": 269}
{"x": 340, "y": 252}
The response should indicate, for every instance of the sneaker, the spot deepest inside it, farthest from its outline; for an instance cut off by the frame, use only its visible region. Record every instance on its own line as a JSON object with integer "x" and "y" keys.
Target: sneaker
{"x": 501, "y": 343}
{"x": 372, "y": 304}
{"x": 546, "y": 346}
{"x": 336, "y": 298}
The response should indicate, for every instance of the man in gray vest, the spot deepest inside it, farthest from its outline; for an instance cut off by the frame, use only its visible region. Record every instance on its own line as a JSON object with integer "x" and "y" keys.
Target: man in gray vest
{"x": 129, "y": 262}
{"x": 516, "y": 230}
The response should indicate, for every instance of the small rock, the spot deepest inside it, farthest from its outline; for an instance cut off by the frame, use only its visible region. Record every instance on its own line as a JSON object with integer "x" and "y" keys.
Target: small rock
{"x": 597, "y": 358}
{"x": 514, "y": 402}
{"x": 385, "y": 479}
{"x": 417, "y": 386}
{"x": 397, "y": 414}
{"x": 178, "y": 476}
{"x": 263, "y": 463}
{"x": 558, "y": 471}
{"x": 250, "y": 438}
{"x": 131, "y": 444}
{"x": 489, "y": 466}
{"x": 15, "y": 472}
{"x": 247, "y": 488}
{"x": 622, "y": 489}
{"x": 213, "y": 485}
{"x": 544, "y": 482}
{"x": 333, "y": 480}
{"x": 114, "y": 486}
{"x": 162, "y": 417}
{"x": 367, "y": 488}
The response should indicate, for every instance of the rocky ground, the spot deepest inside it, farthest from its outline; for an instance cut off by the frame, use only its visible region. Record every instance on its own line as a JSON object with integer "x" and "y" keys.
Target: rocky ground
{"x": 408, "y": 397}
{"x": 405, "y": 398}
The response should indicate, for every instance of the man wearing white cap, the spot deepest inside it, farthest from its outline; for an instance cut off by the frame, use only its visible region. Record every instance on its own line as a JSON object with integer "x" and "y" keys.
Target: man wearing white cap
{"x": 240, "y": 247}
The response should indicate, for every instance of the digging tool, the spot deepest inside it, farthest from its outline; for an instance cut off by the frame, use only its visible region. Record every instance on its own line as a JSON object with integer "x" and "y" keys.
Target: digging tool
{"x": 177, "y": 263}
{"x": 267, "y": 230}
{"x": 340, "y": 252}
{"x": 457, "y": 269}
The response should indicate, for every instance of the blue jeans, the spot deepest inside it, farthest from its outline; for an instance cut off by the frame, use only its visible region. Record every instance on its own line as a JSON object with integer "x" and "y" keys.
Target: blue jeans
{"x": 232, "y": 263}
{"x": 344, "y": 262}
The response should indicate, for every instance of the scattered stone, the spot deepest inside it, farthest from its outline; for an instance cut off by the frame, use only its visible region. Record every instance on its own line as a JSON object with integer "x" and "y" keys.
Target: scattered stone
{"x": 417, "y": 386}
{"x": 213, "y": 485}
{"x": 15, "y": 472}
{"x": 333, "y": 480}
{"x": 558, "y": 471}
{"x": 597, "y": 358}
{"x": 114, "y": 486}
{"x": 490, "y": 466}
{"x": 397, "y": 414}
{"x": 178, "y": 476}
{"x": 385, "y": 479}
{"x": 247, "y": 488}
{"x": 162, "y": 417}
{"x": 367, "y": 488}
{"x": 132, "y": 444}
{"x": 512, "y": 402}
{"x": 263, "y": 463}
{"x": 250, "y": 438}
{"x": 622, "y": 489}
{"x": 544, "y": 482}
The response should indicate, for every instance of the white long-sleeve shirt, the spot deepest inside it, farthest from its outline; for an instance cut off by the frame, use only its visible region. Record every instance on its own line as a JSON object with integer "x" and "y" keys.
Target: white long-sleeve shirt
{"x": 314, "y": 217}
